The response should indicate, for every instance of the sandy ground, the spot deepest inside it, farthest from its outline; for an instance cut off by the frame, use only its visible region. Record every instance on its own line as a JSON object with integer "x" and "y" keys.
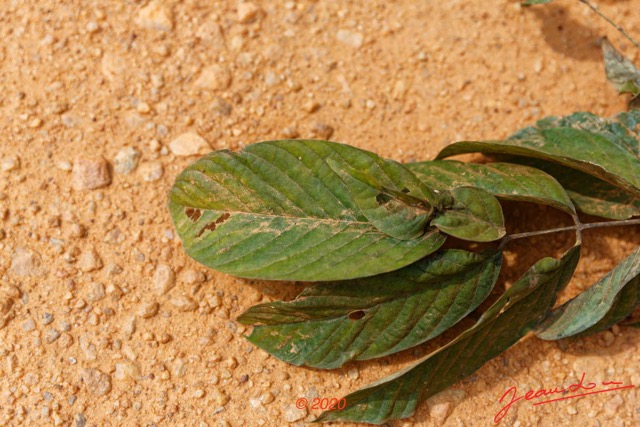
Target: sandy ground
{"x": 103, "y": 319}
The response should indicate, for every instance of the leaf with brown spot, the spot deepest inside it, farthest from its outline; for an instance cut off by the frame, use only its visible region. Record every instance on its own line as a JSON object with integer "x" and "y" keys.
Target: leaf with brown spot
{"x": 290, "y": 216}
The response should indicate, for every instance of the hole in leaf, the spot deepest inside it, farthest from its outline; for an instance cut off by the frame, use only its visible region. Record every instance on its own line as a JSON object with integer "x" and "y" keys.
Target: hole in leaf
{"x": 356, "y": 315}
{"x": 382, "y": 198}
{"x": 405, "y": 190}
{"x": 193, "y": 214}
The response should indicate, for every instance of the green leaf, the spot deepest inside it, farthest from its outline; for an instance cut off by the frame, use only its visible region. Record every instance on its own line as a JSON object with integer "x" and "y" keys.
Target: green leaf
{"x": 514, "y": 314}
{"x": 383, "y": 205}
{"x": 277, "y": 211}
{"x": 607, "y": 302}
{"x": 621, "y": 72}
{"x": 503, "y": 180}
{"x": 604, "y": 148}
{"x": 474, "y": 215}
{"x": 330, "y": 324}
{"x": 531, "y": 2}
{"x": 590, "y": 195}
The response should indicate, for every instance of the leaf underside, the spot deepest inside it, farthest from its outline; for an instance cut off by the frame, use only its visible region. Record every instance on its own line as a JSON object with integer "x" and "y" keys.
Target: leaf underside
{"x": 330, "y": 324}
{"x": 504, "y": 180}
{"x": 514, "y": 314}
{"x": 278, "y": 211}
{"x": 621, "y": 72}
{"x": 605, "y": 148}
{"x": 605, "y": 303}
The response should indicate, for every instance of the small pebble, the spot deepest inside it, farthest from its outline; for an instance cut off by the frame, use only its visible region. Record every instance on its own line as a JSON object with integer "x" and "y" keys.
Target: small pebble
{"x": 90, "y": 174}
{"x": 148, "y": 309}
{"x": 47, "y": 318}
{"x": 126, "y": 160}
{"x": 51, "y": 335}
{"x": 267, "y": 397}
{"x": 189, "y": 144}
{"x": 609, "y": 338}
{"x": 293, "y": 414}
{"x": 219, "y": 397}
{"x": 151, "y": 171}
{"x": 89, "y": 260}
{"x": 10, "y": 163}
{"x": 155, "y": 16}
{"x": 290, "y": 132}
{"x": 353, "y": 373}
{"x": 164, "y": 279}
{"x": 184, "y": 303}
{"x": 191, "y": 277}
{"x": 221, "y": 107}
{"x": 143, "y": 108}
{"x": 97, "y": 382}
{"x": 95, "y": 291}
{"x": 322, "y": 131}
{"x": 350, "y": 38}
{"x": 214, "y": 77}
{"x": 248, "y": 12}
{"x": 311, "y": 106}
{"x": 126, "y": 372}
{"x": 26, "y": 262}
{"x": 28, "y": 325}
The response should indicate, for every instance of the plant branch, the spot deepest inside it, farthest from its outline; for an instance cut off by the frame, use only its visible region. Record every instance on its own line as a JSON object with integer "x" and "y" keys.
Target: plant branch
{"x": 579, "y": 227}
{"x": 610, "y": 21}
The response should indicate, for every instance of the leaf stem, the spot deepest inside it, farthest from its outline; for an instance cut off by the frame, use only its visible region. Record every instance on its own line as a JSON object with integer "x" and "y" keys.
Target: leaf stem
{"x": 610, "y": 21}
{"x": 579, "y": 227}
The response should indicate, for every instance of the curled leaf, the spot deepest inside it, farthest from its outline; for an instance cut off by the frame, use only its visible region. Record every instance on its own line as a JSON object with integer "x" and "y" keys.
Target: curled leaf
{"x": 607, "y": 302}
{"x": 621, "y": 72}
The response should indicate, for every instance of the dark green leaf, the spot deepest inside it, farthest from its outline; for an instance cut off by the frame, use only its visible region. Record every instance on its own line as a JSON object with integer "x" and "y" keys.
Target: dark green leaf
{"x": 382, "y": 204}
{"x": 329, "y": 324}
{"x": 474, "y": 215}
{"x": 503, "y": 180}
{"x": 590, "y": 195}
{"x": 276, "y": 210}
{"x": 621, "y": 72}
{"x": 600, "y": 147}
{"x": 604, "y": 304}
{"x": 515, "y": 313}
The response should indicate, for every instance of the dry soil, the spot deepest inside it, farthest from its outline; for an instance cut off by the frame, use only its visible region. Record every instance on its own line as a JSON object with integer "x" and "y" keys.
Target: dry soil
{"x": 104, "y": 321}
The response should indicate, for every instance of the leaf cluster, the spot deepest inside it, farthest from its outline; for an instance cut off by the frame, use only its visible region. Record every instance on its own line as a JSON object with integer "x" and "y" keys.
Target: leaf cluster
{"x": 369, "y": 233}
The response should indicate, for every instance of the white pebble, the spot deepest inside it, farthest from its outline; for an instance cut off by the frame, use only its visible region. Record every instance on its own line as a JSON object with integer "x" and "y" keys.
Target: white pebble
{"x": 350, "y": 38}
{"x": 151, "y": 171}
{"x": 126, "y": 160}
{"x": 155, "y": 16}
{"x": 189, "y": 144}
